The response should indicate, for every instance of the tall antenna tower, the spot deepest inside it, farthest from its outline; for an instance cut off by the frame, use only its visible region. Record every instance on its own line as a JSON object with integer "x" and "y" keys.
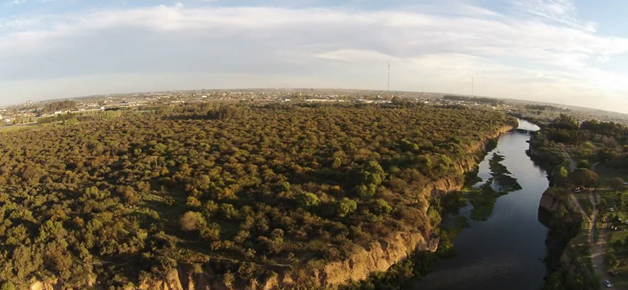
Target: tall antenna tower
{"x": 473, "y": 85}
{"x": 389, "y": 76}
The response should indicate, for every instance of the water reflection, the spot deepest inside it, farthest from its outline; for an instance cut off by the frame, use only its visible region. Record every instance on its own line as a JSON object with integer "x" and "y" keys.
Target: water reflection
{"x": 483, "y": 196}
{"x": 504, "y": 246}
{"x": 525, "y": 125}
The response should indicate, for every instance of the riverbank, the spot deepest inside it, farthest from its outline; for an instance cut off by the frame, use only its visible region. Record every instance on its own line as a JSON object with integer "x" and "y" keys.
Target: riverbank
{"x": 419, "y": 263}
{"x": 571, "y": 222}
{"x": 510, "y": 218}
{"x": 378, "y": 256}
{"x": 395, "y": 250}
{"x": 501, "y": 214}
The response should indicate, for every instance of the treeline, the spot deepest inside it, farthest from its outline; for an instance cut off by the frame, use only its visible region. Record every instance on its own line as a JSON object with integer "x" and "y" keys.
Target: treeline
{"x": 544, "y": 108}
{"x": 73, "y": 118}
{"x": 57, "y": 118}
{"x": 566, "y": 129}
{"x": 603, "y": 142}
{"x": 118, "y": 201}
{"x": 66, "y": 105}
{"x": 485, "y": 100}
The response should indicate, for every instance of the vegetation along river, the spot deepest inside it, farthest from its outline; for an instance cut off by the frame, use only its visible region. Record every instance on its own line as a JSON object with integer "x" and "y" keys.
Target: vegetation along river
{"x": 503, "y": 246}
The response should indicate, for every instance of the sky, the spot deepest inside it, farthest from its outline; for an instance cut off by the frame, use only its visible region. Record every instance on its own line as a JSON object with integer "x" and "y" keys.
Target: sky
{"x": 571, "y": 52}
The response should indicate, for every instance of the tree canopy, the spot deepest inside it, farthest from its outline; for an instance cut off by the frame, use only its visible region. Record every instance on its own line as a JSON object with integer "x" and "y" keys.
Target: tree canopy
{"x": 131, "y": 197}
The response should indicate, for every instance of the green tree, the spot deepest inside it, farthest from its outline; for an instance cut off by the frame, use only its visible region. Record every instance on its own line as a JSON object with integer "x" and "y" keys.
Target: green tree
{"x": 308, "y": 200}
{"x": 564, "y": 173}
{"x": 211, "y": 232}
{"x": 191, "y": 221}
{"x": 228, "y": 211}
{"x": 563, "y": 176}
{"x": 616, "y": 183}
{"x": 345, "y": 206}
{"x": 382, "y": 207}
{"x": 611, "y": 260}
{"x": 565, "y": 121}
{"x": 7, "y": 286}
{"x": 584, "y": 177}
{"x": 584, "y": 164}
{"x": 368, "y": 178}
{"x": 407, "y": 145}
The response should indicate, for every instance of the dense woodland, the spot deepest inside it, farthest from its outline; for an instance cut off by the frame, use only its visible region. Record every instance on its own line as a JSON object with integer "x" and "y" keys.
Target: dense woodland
{"x": 599, "y": 153}
{"x": 114, "y": 201}
{"x": 591, "y": 141}
{"x": 491, "y": 101}
{"x": 59, "y": 106}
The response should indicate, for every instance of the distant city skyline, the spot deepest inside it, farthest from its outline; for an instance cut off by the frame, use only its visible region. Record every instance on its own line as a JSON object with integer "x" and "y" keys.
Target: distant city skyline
{"x": 556, "y": 51}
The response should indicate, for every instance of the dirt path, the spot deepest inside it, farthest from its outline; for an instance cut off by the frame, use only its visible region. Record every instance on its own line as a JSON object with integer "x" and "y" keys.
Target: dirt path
{"x": 575, "y": 201}
{"x": 597, "y": 248}
{"x": 597, "y": 255}
{"x": 572, "y": 162}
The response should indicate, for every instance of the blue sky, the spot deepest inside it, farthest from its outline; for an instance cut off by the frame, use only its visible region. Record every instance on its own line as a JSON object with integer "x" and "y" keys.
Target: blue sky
{"x": 560, "y": 51}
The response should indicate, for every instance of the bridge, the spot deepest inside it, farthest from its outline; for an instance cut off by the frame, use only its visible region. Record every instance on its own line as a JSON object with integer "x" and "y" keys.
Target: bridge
{"x": 525, "y": 131}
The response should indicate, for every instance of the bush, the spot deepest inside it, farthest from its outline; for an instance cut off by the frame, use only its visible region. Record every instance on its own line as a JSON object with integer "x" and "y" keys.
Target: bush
{"x": 611, "y": 260}
{"x": 345, "y": 207}
{"x": 381, "y": 206}
{"x": 616, "y": 183}
{"x": 584, "y": 177}
{"x": 308, "y": 200}
{"x": 7, "y": 286}
{"x": 191, "y": 221}
{"x": 229, "y": 212}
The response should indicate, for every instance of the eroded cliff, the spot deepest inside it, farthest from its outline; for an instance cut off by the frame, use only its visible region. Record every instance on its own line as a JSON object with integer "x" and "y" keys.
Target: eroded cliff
{"x": 379, "y": 255}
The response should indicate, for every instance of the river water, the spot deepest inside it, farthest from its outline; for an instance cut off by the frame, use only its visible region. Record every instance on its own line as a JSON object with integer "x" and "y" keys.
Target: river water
{"x": 504, "y": 246}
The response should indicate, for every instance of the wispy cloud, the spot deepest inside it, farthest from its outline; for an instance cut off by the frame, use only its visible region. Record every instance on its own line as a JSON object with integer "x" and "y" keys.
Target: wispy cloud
{"x": 520, "y": 57}
{"x": 17, "y": 2}
{"x": 562, "y": 11}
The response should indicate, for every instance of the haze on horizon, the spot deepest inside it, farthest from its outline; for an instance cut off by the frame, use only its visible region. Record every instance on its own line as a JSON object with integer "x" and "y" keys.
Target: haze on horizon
{"x": 572, "y": 52}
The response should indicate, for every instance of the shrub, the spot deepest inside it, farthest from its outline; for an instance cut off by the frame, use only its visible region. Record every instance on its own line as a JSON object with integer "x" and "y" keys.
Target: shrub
{"x": 345, "y": 207}
{"x": 308, "y": 200}
{"x": 191, "y": 221}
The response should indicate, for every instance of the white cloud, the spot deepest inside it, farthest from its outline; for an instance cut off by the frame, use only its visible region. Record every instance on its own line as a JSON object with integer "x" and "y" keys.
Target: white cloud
{"x": 561, "y": 11}
{"x": 510, "y": 57}
{"x": 353, "y": 55}
{"x": 17, "y": 2}
{"x": 558, "y": 10}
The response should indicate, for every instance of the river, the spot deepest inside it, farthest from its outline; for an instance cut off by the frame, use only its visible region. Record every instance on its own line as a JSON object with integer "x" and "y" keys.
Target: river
{"x": 504, "y": 245}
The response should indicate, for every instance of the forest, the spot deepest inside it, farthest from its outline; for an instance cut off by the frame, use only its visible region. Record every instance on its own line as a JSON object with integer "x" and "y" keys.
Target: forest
{"x": 59, "y": 106}
{"x": 111, "y": 202}
{"x": 490, "y": 101}
{"x": 591, "y": 140}
{"x": 589, "y": 160}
